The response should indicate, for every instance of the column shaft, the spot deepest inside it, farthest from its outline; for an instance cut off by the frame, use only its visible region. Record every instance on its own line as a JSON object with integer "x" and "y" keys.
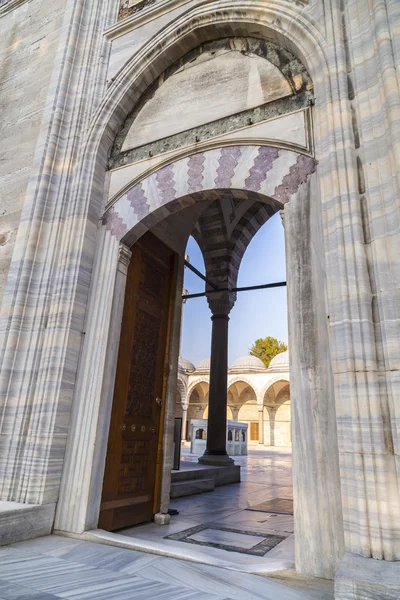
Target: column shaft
{"x": 184, "y": 423}
{"x": 261, "y": 425}
{"x": 216, "y": 431}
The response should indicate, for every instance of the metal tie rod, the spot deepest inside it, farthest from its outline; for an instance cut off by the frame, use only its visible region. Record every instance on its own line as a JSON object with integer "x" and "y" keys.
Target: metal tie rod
{"x": 203, "y": 277}
{"x": 265, "y": 286}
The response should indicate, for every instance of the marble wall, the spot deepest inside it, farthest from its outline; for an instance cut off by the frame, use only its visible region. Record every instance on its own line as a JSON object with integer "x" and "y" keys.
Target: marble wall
{"x": 351, "y": 50}
{"x": 30, "y": 34}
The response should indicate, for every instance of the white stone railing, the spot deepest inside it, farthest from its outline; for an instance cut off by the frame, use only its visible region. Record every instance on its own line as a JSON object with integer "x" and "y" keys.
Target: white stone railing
{"x": 236, "y": 437}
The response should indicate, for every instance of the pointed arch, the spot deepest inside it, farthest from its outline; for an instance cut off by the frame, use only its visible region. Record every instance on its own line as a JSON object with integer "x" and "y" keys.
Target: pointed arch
{"x": 271, "y": 382}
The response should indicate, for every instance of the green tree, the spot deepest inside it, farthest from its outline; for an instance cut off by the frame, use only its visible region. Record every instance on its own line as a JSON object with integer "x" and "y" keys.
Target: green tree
{"x": 266, "y": 348}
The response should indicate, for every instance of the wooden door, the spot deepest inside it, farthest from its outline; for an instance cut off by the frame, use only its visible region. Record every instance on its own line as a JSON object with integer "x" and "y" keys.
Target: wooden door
{"x": 134, "y": 454}
{"x": 254, "y": 434}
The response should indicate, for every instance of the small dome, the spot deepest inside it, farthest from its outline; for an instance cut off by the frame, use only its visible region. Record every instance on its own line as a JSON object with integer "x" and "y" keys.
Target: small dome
{"x": 185, "y": 365}
{"x": 204, "y": 365}
{"x": 280, "y": 362}
{"x": 248, "y": 363}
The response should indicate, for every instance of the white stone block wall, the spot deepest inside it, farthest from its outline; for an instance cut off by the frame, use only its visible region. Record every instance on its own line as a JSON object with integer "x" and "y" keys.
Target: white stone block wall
{"x": 28, "y": 43}
{"x": 352, "y": 51}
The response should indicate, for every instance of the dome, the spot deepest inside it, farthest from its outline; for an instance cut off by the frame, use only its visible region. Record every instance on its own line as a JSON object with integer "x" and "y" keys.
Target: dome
{"x": 280, "y": 362}
{"x": 204, "y": 365}
{"x": 248, "y": 363}
{"x": 185, "y": 365}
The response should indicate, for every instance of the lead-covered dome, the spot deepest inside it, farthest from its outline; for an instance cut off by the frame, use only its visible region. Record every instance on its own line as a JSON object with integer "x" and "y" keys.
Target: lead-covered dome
{"x": 185, "y": 365}
{"x": 280, "y": 362}
{"x": 204, "y": 365}
{"x": 246, "y": 364}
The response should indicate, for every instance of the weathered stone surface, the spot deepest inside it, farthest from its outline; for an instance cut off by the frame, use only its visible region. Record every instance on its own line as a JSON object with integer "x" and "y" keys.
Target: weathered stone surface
{"x": 351, "y": 51}
{"x": 19, "y": 522}
{"x": 28, "y": 42}
{"x": 367, "y": 579}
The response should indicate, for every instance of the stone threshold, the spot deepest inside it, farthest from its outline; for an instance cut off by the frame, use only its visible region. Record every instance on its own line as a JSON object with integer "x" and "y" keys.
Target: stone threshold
{"x": 207, "y": 556}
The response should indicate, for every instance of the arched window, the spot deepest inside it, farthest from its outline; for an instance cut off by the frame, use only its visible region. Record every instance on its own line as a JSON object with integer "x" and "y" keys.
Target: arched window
{"x": 230, "y": 437}
{"x": 200, "y": 434}
{"x": 236, "y": 436}
{"x": 243, "y": 436}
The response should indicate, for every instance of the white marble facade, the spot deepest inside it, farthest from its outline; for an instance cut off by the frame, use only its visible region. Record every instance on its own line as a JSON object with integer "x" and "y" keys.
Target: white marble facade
{"x": 74, "y": 75}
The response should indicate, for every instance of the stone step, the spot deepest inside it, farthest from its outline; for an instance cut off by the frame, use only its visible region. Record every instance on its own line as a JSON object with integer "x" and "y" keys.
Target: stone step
{"x": 191, "y": 487}
{"x": 195, "y": 472}
{"x": 221, "y": 475}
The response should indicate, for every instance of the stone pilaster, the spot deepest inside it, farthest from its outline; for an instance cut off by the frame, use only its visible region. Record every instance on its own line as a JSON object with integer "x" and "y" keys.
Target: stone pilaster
{"x": 79, "y": 502}
{"x": 316, "y": 478}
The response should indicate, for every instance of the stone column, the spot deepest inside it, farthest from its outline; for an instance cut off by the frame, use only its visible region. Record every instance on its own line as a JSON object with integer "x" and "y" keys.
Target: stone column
{"x": 261, "y": 424}
{"x": 184, "y": 421}
{"x": 216, "y": 453}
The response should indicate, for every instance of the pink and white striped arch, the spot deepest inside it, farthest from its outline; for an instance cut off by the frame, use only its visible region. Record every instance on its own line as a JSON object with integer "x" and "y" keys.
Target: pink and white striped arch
{"x": 264, "y": 171}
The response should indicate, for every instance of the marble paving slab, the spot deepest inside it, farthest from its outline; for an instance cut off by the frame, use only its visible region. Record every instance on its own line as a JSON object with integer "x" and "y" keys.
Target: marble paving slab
{"x": 225, "y": 538}
{"x": 258, "y": 521}
{"x": 276, "y": 505}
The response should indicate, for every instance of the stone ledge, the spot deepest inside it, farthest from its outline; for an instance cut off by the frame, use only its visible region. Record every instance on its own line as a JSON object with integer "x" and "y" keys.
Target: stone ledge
{"x": 140, "y": 17}
{"x": 361, "y": 578}
{"x": 20, "y": 522}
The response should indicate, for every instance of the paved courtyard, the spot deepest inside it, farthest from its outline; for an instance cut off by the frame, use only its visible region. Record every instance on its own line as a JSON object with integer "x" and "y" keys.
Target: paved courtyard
{"x": 58, "y": 567}
{"x": 216, "y": 521}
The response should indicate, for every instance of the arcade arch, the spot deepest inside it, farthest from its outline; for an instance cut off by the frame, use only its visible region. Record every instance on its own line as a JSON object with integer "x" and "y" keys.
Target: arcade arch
{"x": 277, "y": 415}
{"x": 242, "y": 400}
{"x": 198, "y": 402}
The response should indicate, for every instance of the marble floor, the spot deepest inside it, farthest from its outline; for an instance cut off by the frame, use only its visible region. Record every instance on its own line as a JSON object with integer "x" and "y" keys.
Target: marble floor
{"x": 221, "y": 522}
{"x": 57, "y": 567}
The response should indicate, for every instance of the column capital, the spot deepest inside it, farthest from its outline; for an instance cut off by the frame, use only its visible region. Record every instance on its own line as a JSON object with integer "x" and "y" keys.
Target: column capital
{"x": 221, "y": 303}
{"x": 124, "y": 258}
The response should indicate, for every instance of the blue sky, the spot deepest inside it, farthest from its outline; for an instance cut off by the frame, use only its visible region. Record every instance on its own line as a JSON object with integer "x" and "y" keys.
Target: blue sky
{"x": 255, "y": 314}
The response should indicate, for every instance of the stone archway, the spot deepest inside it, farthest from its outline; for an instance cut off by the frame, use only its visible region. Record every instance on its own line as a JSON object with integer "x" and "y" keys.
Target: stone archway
{"x": 163, "y": 193}
{"x": 299, "y": 213}
{"x": 170, "y": 185}
{"x": 113, "y": 110}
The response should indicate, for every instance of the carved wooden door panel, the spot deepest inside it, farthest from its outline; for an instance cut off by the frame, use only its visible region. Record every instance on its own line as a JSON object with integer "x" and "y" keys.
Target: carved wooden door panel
{"x": 133, "y": 463}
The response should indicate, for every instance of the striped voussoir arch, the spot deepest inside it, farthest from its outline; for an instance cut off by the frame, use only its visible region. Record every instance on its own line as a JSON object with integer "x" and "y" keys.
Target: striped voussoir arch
{"x": 268, "y": 171}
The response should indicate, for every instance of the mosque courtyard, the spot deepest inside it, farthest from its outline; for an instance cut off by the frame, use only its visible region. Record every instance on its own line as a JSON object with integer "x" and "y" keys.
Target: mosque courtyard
{"x": 214, "y": 549}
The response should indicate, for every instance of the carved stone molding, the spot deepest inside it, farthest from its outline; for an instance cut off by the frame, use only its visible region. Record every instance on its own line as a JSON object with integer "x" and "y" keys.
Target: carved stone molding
{"x": 124, "y": 256}
{"x": 131, "y": 7}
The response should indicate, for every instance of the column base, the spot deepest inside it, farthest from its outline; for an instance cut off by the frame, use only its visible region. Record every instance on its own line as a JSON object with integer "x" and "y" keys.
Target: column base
{"x": 221, "y": 460}
{"x": 361, "y": 578}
